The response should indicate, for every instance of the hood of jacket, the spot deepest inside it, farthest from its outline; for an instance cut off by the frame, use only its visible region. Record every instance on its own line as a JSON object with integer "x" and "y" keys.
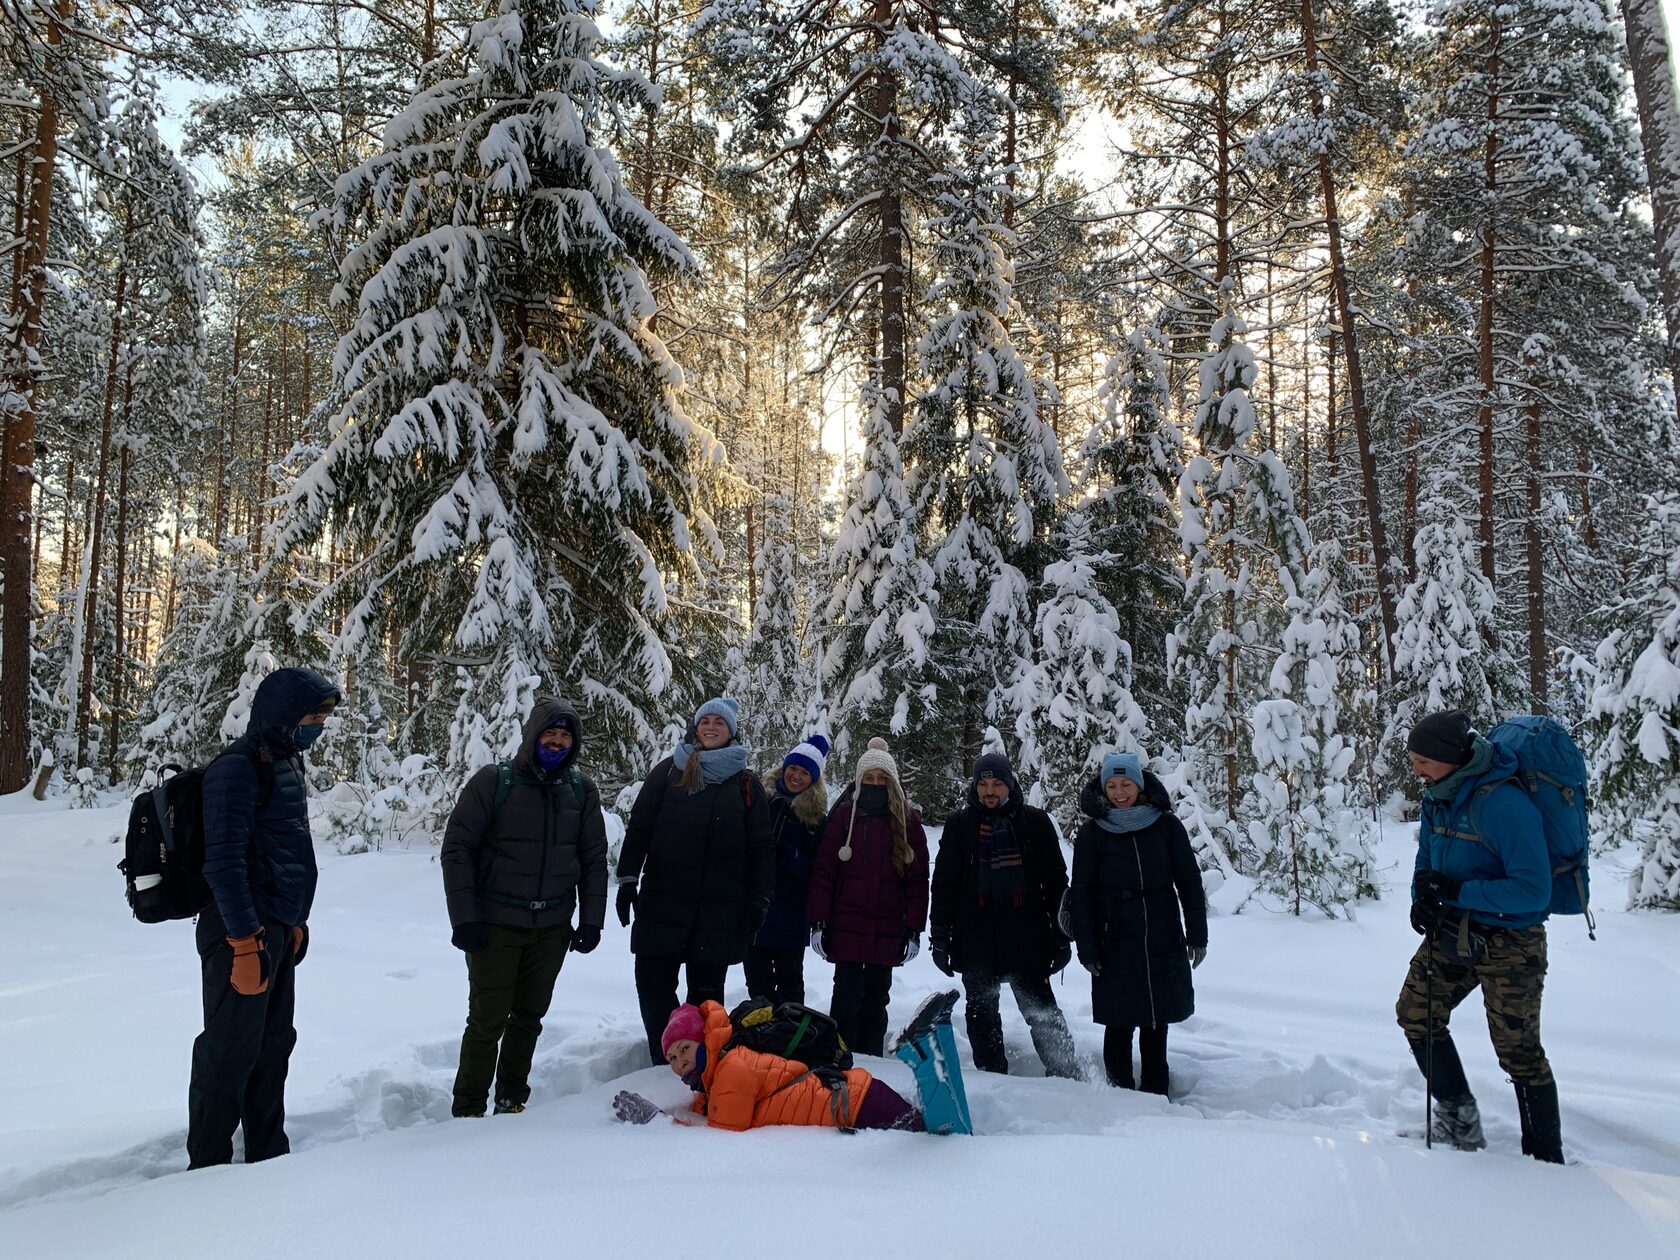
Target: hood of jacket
{"x": 1501, "y": 766}
{"x": 544, "y": 713}
{"x": 284, "y": 699}
{"x": 1093, "y": 801}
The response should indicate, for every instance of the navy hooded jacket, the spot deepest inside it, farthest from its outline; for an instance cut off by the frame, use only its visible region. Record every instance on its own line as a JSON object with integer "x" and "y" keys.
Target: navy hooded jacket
{"x": 259, "y": 859}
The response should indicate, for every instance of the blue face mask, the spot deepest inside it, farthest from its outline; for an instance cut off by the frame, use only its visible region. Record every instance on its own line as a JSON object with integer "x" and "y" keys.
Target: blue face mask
{"x": 551, "y": 759}
{"x": 304, "y": 736}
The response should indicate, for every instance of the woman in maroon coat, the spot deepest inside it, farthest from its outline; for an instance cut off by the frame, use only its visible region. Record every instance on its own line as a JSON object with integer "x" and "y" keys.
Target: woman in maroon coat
{"x": 869, "y": 896}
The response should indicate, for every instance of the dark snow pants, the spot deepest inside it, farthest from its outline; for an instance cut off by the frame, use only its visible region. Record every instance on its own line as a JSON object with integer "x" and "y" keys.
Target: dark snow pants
{"x": 859, "y": 1005}
{"x": 239, "y": 1061}
{"x": 1511, "y": 974}
{"x": 776, "y": 974}
{"x": 656, "y": 993}
{"x": 510, "y": 983}
{"x": 1117, "y": 1057}
{"x": 1050, "y": 1035}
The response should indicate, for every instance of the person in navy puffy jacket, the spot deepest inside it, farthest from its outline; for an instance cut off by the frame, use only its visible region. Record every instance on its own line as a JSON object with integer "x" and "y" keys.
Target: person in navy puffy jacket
{"x": 259, "y": 861}
{"x": 1481, "y": 891}
{"x": 775, "y": 964}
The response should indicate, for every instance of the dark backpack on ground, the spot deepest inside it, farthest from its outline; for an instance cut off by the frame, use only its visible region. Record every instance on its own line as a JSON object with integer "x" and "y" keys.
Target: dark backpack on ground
{"x": 1552, "y": 771}
{"x": 790, "y": 1031}
{"x": 163, "y": 858}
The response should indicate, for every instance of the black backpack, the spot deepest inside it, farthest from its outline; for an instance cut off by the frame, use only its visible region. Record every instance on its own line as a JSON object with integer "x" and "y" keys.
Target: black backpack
{"x": 791, "y": 1031}
{"x": 164, "y": 848}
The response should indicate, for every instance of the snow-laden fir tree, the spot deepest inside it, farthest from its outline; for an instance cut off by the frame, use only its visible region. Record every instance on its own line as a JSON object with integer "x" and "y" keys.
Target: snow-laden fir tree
{"x": 1445, "y": 656}
{"x": 259, "y": 663}
{"x": 1244, "y": 546}
{"x": 775, "y": 677}
{"x": 1304, "y": 824}
{"x": 880, "y": 618}
{"x": 1634, "y": 719}
{"x": 1073, "y": 699}
{"x": 506, "y": 454}
{"x": 985, "y": 469}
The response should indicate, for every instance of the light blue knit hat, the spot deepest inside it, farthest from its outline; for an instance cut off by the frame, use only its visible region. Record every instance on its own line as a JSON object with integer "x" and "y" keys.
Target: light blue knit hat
{"x": 1125, "y": 764}
{"x": 723, "y": 707}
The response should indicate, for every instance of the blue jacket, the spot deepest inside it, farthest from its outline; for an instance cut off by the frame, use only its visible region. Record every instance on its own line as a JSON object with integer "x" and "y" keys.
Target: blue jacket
{"x": 259, "y": 859}
{"x": 785, "y": 925}
{"x": 1507, "y": 872}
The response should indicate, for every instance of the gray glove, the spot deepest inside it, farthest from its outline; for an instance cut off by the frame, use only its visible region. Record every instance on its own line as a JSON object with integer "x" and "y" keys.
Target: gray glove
{"x": 1197, "y": 954}
{"x": 633, "y": 1108}
{"x": 818, "y": 931}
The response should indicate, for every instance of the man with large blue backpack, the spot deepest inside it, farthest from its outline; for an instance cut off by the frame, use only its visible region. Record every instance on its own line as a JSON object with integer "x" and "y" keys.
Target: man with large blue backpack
{"x": 1501, "y": 845}
{"x": 259, "y": 863}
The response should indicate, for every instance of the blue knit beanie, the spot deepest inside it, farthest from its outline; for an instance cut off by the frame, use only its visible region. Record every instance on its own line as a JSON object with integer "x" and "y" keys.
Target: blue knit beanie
{"x": 723, "y": 707}
{"x": 1126, "y": 765}
{"x": 811, "y": 756}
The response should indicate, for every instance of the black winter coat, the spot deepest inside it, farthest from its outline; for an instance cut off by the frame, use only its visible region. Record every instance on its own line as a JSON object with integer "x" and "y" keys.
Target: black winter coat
{"x": 1125, "y": 902}
{"x": 530, "y": 864}
{"x": 707, "y": 866}
{"x": 785, "y": 925}
{"x": 259, "y": 859}
{"x": 988, "y": 938}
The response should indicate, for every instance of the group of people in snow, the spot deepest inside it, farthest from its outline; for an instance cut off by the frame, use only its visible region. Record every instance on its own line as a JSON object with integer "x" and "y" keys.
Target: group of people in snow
{"x": 716, "y": 869}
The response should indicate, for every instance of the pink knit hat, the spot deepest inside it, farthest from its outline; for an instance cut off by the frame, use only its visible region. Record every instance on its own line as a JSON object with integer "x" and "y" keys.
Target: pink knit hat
{"x": 686, "y": 1024}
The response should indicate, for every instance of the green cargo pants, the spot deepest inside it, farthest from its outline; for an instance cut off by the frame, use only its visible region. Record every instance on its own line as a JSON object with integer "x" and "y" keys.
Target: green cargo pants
{"x": 1511, "y": 973}
{"x": 509, "y": 984}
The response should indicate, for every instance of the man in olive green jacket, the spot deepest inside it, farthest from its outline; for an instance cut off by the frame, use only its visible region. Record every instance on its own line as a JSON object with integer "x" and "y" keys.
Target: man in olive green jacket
{"x": 526, "y": 845}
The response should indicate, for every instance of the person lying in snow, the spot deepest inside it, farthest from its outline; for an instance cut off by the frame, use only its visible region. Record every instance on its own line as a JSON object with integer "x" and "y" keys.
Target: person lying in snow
{"x": 739, "y": 1088}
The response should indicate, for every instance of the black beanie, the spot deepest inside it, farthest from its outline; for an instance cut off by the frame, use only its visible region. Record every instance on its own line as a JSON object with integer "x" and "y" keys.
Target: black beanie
{"x": 994, "y": 764}
{"x": 1445, "y": 737}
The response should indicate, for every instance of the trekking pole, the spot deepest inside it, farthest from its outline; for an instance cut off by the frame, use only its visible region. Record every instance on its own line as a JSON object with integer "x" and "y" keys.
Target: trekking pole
{"x": 1429, "y": 1045}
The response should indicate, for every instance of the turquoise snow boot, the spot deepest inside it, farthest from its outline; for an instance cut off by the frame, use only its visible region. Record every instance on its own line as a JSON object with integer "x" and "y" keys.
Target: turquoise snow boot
{"x": 929, "y": 1046}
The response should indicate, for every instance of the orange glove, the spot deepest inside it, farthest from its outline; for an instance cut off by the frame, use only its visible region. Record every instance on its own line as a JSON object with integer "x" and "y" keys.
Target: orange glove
{"x": 300, "y": 943}
{"x": 250, "y": 964}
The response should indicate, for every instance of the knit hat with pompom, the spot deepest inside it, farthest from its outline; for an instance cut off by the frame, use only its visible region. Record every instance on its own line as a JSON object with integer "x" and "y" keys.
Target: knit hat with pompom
{"x": 875, "y": 757}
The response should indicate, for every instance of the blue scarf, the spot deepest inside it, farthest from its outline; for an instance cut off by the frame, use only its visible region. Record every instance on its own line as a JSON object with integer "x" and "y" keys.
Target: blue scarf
{"x": 716, "y": 764}
{"x": 1134, "y": 818}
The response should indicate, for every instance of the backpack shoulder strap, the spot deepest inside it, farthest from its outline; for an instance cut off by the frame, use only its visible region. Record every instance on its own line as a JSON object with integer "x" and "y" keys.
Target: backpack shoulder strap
{"x": 504, "y": 787}
{"x": 579, "y": 792}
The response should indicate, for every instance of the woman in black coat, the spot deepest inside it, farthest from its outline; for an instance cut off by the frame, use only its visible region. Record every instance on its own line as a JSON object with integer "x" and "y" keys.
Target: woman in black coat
{"x": 1139, "y": 916}
{"x": 698, "y": 867}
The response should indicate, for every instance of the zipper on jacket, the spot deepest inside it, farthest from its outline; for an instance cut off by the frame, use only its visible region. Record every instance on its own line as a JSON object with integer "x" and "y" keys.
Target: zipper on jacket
{"x": 542, "y": 863}
{"x": 1148, "y": 967}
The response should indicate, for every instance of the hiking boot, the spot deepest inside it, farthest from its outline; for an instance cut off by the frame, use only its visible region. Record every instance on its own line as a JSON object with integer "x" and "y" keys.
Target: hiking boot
{"x": 1542, "y": 1135}
{"x": 933, "y": 1012}
{"x": 1458, "y": 1123}
{"x": 507, "y": 1107}
{"x": 467, "y": 1111}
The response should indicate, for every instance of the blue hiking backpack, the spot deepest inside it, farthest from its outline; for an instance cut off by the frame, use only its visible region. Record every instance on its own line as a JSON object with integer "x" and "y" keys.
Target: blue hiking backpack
{"x": 1551, "y": 769}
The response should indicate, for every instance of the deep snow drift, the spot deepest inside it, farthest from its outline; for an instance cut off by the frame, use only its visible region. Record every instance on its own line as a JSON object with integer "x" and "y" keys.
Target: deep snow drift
{"x": 1292, "y": 1089}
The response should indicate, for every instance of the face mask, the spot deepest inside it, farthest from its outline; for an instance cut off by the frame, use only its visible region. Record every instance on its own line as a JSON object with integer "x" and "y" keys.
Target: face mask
{"x": 872, "y": 798}
{"x": 551, "y": 759}
{"x": 304, "y": 736}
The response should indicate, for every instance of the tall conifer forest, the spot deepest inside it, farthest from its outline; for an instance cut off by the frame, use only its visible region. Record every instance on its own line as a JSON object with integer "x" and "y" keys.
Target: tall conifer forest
{"x": 1235, "y": 381}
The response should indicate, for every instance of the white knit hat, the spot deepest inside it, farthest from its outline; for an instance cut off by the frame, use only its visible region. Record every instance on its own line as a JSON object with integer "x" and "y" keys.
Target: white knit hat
{"x": 875, "y": 757}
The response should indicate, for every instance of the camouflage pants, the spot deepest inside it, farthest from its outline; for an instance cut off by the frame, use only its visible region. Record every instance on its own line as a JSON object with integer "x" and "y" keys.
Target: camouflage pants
{"x": 1511, "y": 973}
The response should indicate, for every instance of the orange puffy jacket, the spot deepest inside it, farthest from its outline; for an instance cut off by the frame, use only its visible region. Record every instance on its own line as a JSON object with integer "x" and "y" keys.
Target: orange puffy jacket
{"x": 745, "y": 1088}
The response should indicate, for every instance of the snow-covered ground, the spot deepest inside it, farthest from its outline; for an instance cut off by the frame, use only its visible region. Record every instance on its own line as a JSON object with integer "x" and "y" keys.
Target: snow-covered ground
{"x": 1292, "y": 1093}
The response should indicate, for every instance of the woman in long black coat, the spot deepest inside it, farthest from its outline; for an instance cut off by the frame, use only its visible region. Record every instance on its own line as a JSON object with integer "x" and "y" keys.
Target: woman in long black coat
{"x": 697, "y": 867}
{"x": 1139, "y": 916}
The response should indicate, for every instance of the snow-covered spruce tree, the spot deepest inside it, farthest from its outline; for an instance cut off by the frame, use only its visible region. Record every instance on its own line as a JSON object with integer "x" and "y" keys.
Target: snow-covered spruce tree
{"x": 1073, "y": 699}
{"x": 1304, "y": 822}
{"x": 774, "y": 676}
{"x": 1634, "y": 719}
{"x": 1445, "y": 656}
{"x": 506, "y": 454}
{"x": 1244, "y": 546}
{"x": 881, "y": 619}
{"x": 986, "y": 472}
{"x": 259, "y": 663}
{"x": 1129, "y": 465}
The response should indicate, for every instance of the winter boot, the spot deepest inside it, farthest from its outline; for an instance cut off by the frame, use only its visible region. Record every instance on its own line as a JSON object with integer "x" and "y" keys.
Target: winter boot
{"x": 929, "y": 1046}
{"x": 507, "y": 1107}
{"x": 1458, "y": 1123}
{"x": 466, "y": 1110}
{"x": 1542, "y": 1130}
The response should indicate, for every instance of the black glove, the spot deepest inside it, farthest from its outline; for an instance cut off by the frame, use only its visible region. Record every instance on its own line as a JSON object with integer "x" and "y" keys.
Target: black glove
{"x": 939, "y": 947}
{"x": 1090, "y": 962}
{"x": 626, "y": 899}
{"x": 633, "y": 1108}
{"x": 1425, "y": 917}
{"x": 585, "y": 939}
{"x": 469, "y": 938}
{"x": 1433, "y": 886}
{"x": 1061, "y": 953}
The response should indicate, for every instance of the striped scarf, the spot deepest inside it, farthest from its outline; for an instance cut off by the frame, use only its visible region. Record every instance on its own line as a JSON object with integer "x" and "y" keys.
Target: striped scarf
{"x": 1002, "y": 876}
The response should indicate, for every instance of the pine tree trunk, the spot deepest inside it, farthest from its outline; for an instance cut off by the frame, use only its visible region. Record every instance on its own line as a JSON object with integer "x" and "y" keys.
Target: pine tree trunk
{"x": 1539, "y": 663}
{"x": 1350, "y": 355}
{"x": 1484, "y": 317}
{"x": 1659, "y": 129}
{"x": 119, "y": 594}
{"x": 96, "y": 521}
{"x": 17, "y": 478}
{"x": 890, "y": 372}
